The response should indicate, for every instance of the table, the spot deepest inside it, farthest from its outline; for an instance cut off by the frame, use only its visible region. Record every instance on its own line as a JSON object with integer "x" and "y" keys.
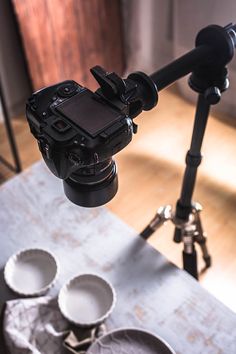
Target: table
{"x": 152, "y": 293}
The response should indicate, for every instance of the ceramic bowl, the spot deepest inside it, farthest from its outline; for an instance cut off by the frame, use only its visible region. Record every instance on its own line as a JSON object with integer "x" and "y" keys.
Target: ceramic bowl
{"x": 31, "y": 272}
{"x": 87, "y": 300}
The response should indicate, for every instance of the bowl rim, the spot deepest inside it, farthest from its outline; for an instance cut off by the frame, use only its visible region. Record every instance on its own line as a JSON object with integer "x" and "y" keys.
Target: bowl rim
{"x": 13, "y": 260}
{"x": 98, "y": 320}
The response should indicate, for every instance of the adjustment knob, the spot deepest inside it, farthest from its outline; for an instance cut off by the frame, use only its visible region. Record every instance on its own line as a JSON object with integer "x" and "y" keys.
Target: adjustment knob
{"x": 212, "y": 95}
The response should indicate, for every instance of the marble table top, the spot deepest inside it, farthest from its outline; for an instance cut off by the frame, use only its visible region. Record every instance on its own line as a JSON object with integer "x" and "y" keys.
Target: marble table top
{"x": 152, "y": 293}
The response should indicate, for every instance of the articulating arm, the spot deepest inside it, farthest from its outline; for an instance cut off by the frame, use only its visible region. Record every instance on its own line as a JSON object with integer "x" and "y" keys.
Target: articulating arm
{"x": 214, "y": 50}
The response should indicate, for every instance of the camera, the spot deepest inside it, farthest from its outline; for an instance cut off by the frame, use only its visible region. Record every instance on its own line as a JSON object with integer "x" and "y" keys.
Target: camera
{"x": 77, "y": 135}
{"x": 78, "y": 131}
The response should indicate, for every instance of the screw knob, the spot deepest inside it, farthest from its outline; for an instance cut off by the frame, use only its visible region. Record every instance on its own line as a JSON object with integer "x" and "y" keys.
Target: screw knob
{"x": 212, "y": 95}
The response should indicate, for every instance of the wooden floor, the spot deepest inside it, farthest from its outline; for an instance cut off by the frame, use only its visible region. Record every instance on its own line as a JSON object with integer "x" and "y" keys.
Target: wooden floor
{"x": 150, "y": 174}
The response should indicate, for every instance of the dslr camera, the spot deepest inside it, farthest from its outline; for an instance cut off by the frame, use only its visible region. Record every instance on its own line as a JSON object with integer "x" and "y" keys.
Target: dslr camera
{"x": 78, "y": 131}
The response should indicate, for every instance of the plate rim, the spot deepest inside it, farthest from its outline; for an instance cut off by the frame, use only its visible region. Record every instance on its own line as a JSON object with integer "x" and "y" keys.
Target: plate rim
{"x": 13, "y": 259}
{"x": 100, "y": 319}
{"x": 120, "y": 329}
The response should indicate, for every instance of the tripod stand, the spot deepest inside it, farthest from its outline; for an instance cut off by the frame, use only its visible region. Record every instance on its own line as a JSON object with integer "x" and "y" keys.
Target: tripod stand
{"x": 207, "y": 62}
{"x": 186, "y": 218}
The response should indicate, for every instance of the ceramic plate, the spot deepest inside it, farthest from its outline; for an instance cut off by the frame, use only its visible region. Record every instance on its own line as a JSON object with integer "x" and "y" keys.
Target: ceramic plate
{"x": 87, "y": 300}
{"x": 31, "y": 272}
{"x": 130, "y": 341}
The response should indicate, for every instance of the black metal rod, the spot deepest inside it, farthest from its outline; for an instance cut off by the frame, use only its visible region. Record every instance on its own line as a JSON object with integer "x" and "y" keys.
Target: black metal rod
{"x": 199, "y": 128}
{"x": 10, "y": 134}
{"x": 193, "y": 160}
{"x": 181, "y": 66}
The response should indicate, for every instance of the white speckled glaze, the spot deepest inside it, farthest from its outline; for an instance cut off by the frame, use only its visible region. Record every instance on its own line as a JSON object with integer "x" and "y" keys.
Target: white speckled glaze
{"x": 87, "y": 300}
{"x": 31, "y": 272}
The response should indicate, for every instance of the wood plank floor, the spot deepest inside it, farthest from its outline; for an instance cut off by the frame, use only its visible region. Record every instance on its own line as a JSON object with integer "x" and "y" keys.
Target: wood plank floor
{"x": 150, "y": 174}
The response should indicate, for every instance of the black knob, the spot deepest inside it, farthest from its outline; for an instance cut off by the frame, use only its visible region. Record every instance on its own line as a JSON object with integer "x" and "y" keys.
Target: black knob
{"x": 212, "y": 95}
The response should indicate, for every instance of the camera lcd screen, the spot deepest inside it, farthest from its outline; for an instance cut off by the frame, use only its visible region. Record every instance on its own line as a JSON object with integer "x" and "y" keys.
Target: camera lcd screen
{"x": 89, "y": 114}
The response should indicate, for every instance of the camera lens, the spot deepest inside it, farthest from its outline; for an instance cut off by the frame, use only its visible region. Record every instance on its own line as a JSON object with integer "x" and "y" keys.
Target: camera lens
{"x": 94, "y": 185}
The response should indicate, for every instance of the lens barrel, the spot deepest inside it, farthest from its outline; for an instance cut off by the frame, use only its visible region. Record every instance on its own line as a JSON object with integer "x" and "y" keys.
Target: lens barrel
{"x": 94, "y": 185}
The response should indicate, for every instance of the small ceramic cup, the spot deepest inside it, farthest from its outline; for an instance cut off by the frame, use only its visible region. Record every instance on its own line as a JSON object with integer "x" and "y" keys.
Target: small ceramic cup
{"x": 87, "y": 300}
{"x": 31, "y": 272}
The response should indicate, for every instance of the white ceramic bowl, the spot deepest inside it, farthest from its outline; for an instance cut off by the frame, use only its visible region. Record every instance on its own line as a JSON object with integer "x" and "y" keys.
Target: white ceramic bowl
{"x": 31, "y": 272}
{"x": 87, "y": 300}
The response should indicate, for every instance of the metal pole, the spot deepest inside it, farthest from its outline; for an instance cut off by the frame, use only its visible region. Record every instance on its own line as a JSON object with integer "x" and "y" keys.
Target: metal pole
{"x": 193, "y": 160}
{"x": 10, "y": 134}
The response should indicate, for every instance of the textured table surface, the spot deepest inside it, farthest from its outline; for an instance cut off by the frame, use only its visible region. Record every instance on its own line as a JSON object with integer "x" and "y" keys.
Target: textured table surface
{"x": 152, "y": 293}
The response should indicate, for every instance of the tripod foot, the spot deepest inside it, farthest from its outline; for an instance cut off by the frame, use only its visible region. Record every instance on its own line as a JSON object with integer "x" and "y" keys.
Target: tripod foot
{"x": 207, "y": 261}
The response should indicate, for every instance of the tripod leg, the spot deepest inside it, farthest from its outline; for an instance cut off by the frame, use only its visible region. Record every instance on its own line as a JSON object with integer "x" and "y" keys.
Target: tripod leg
{"x": 200, "y": 236}
{"x": 163, "y": 214}
{"x": 190, "y": 263}
{"x": 189, "y": 252}
{"x": 205, "y": 254}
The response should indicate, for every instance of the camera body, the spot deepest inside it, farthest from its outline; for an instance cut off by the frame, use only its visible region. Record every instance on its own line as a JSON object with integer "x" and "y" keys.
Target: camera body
{"x": 78, "y": 131}
{"x": 76, "y": 128}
